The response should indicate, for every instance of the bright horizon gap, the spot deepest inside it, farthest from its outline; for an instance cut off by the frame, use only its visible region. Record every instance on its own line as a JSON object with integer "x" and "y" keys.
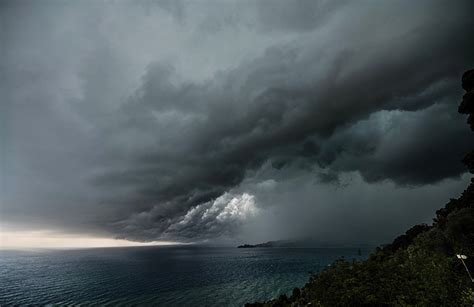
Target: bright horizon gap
{"x": 50, "y": 239}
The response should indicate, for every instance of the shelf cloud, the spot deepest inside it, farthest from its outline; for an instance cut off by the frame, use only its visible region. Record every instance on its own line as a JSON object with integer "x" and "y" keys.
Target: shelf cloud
{"x": 160, "y": 119}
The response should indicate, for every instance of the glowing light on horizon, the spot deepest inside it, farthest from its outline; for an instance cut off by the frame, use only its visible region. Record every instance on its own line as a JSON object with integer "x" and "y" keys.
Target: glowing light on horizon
{"x": 49, "y": 239}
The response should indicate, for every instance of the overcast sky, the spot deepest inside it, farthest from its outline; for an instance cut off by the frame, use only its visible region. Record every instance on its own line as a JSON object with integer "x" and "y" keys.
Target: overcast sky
{"x": 232, "y": 120}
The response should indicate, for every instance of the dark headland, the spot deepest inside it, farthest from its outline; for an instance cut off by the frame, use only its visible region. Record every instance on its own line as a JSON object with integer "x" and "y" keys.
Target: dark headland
{"x": 279, "y": 243}
{"x": 419, "y": 268}
{"x": 300, "y": 244}
{"x": 266, "y": 244}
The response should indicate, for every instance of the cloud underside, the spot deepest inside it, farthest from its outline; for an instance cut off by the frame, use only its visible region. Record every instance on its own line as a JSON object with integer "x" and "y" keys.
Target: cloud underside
{"x": 148, "y": 141}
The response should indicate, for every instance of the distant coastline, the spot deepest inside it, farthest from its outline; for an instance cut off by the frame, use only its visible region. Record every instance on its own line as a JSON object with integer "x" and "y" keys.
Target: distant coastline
{"x": 266, "y": 244}
{"x": 301, "y": 244}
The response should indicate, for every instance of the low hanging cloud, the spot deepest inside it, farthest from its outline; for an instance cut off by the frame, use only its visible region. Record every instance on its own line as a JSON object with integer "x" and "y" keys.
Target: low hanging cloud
{"x": 404, "y": 146}
{"x": 221, "y": 217}
{"x": 218, "y": 218}
{"x": 155, "y": 114}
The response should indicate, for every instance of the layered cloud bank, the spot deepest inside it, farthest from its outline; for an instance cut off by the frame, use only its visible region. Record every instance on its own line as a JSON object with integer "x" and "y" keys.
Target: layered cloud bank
{"x": 180, "y": 120}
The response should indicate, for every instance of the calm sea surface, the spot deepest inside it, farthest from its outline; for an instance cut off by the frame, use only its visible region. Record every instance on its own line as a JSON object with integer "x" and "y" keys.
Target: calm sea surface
{"x": 167, "y": 276}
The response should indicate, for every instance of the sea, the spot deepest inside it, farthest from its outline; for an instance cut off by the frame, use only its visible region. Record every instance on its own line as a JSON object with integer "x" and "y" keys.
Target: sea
{"x": 186, "y": 275}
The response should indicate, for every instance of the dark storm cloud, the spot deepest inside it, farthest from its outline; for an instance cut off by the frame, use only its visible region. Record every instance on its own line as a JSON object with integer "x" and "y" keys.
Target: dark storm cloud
{"x": 332, "y": 86}
{"x": 302, "y": 15}
{"x": 408, "y": 147}
{"x": 298, "y": 205}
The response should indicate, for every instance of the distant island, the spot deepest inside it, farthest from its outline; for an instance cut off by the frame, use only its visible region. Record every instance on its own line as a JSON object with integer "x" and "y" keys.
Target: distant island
{"x": 301, "y": 244}
{"x": 279, "y": 243}
{"x": 267, "y": 244}
{"x": 429, "y": 265}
